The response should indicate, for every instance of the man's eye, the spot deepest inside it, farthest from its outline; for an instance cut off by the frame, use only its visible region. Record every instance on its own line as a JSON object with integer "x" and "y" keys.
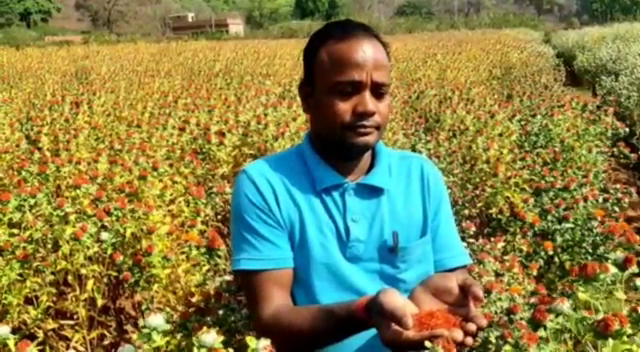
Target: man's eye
{"x": 346, "y": 91}
{"x": 380, "y": 93}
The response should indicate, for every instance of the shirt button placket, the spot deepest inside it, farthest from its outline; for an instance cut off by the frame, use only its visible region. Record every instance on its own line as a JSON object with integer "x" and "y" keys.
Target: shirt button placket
{"x": 354, "y": 248}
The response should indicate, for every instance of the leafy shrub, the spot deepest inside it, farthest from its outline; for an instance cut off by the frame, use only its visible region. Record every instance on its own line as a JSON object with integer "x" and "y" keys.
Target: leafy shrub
{"x": 18, "y": 37}
{"x": 607, "y": 58}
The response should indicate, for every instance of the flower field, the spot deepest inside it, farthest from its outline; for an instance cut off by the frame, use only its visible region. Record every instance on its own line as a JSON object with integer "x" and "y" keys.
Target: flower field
{"x": 117, "y": 164}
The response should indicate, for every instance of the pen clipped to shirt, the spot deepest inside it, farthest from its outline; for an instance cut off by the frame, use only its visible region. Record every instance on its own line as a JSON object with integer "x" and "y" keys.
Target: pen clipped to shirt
{"x": 396, "y": 243}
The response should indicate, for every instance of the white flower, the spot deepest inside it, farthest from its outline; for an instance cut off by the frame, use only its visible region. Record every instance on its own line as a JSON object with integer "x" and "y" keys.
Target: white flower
{"x": 561, "y": 306}
{"x": 208, "y": 338}
{"x": 126, "y": 348}
{"x": 263, "y": 344}
{"x": 104, "y": 236}
{"x": 5, "y": 331}
{"x": 156, "y": 321}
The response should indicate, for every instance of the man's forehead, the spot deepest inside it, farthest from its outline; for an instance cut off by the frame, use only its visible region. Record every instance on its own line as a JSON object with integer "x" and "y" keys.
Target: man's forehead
{"x": 357, "y": 51}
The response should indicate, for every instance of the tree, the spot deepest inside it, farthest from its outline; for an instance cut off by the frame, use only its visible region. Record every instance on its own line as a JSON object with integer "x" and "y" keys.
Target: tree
{"x": 8, "y": 14}
{"x": 106, "y": 14}
{"x": 415, "y": 8}
{"x": 263, "y": 13}
{"x": 318, "y": 9}
{"x": 29, "y": 12}
{"x": 310, "y": 9}
{"x": 335, "y": 9}
{"x": 611, "y": 10}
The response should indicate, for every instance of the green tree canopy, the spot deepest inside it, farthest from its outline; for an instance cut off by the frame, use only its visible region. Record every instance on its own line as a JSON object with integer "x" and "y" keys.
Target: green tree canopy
{"x": 318, "y": 9}
{"x": 29, "y": 12}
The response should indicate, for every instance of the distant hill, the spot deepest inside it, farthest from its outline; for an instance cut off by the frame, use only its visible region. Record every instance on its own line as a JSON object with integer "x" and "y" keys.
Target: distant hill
{"x": 69, "y": 18}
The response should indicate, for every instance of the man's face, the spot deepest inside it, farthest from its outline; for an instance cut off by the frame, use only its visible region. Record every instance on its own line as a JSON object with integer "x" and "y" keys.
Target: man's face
{"x": 349, "y": 104}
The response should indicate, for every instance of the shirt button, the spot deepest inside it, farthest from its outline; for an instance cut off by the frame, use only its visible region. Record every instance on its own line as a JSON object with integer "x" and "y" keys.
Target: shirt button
{"x": 350, "y": 192}
{"x": 355, "y": 218}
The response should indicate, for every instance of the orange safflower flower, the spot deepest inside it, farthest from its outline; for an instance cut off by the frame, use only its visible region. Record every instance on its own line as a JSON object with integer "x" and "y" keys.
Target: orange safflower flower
{"x": 516, "y": 290}
{"x": 535, "y": 220}
{"x": 629, "y": 261}
{"x": 540, "y": 314}
{"x": 590, "y": 270}
{"x": 607, "y": 325}
{"x": 530, "y": 338}
{"x": 622, "y": 319}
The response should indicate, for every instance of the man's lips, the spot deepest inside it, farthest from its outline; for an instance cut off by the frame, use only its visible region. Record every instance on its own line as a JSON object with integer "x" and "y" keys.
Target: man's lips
{"x": 363, "y": 129}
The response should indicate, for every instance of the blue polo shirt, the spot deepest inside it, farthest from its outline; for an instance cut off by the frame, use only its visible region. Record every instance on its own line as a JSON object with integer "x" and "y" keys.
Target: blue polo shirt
{"x": 291, "y": 210}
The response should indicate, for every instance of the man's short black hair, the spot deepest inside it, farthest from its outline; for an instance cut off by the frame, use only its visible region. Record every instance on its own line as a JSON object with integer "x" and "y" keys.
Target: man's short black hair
{"x": 339, "y": 30}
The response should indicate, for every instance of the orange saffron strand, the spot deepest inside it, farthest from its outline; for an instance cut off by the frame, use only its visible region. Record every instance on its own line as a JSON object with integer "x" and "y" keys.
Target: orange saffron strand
{"x": 437, "y": 319}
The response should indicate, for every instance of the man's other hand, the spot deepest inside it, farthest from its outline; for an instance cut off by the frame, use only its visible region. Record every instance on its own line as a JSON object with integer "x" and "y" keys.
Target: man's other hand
{"x": 460, "y": 293}
{"x": 392, "y": 315}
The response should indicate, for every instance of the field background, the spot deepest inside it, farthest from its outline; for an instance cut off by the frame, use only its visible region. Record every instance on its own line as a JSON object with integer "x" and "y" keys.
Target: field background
{"x": 117, "y": 163}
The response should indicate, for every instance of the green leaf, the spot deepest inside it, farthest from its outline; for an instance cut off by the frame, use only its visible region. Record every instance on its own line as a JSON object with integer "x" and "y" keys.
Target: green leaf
{"x": 620, "y": 295}
{"x": 251, "y": 341}
{"x": 583, "y": 297}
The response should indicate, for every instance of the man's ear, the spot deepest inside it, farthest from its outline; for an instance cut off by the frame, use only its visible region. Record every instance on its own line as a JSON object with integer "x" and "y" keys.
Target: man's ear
{"x": 305, "y": 94}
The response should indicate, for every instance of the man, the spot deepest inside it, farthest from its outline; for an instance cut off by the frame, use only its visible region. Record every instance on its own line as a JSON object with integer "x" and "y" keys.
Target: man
{"x": 338, "y": 240}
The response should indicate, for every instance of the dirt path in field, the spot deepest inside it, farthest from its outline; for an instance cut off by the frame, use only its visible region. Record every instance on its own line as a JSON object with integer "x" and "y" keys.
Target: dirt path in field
{"x": 623, "y": 175}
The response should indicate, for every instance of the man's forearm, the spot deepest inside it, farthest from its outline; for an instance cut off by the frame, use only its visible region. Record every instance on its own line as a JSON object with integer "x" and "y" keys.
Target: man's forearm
{"x": 308, "y": 328}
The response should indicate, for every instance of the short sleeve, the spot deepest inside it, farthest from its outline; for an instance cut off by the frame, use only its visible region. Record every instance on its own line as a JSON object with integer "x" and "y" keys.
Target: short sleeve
{"x": 448, "y": 249}
{"x": 259, "y": 240}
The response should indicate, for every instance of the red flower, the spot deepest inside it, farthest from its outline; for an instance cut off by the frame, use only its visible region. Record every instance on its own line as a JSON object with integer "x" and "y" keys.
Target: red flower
{"x": 198, "y": 192}
{"x": 590, "y": 270}
{"x": 23, "y": 255}
{"x": 489, "y": 317}
{"x": 607, "y": 325}
{"x": 127, "y": 276}
{"x": 24, "y": 345}
{"x": 5, "y": 197}
{"x": 100, "y": 194}
{"x": 61, "y": 202}
{"x": 121, "y": 202}
{"x": 117, "y": 257}
{"x": 215, "y": 241}
{"x": 530, "y": 338}
{"x": 622, "y": 319}
{"x": 545, "y": 300}
{"x": 629, "y": 261}
{"x": 540, "y": 315}
{"x": 138, "y": 259}
{"x": 515, "y": 309}
{"x": 101, "y": 215}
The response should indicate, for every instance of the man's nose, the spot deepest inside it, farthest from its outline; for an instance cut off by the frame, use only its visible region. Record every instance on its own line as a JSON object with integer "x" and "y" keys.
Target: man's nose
{"x": 366, "y": 104}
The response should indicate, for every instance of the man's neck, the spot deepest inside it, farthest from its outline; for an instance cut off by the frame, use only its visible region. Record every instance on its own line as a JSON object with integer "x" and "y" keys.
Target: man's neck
{"x": 352, "y": 170}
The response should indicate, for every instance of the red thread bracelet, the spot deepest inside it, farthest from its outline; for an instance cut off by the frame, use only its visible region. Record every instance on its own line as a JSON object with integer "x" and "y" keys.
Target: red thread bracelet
{"x": 361, "y": 308}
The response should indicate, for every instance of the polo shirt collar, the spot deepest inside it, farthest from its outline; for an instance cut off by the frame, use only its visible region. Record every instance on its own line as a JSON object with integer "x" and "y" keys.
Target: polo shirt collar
{"x": 324, "y": 176}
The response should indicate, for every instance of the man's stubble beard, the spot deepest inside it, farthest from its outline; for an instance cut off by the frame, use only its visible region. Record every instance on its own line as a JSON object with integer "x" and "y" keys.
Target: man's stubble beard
{"x": 344, "y": 151}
